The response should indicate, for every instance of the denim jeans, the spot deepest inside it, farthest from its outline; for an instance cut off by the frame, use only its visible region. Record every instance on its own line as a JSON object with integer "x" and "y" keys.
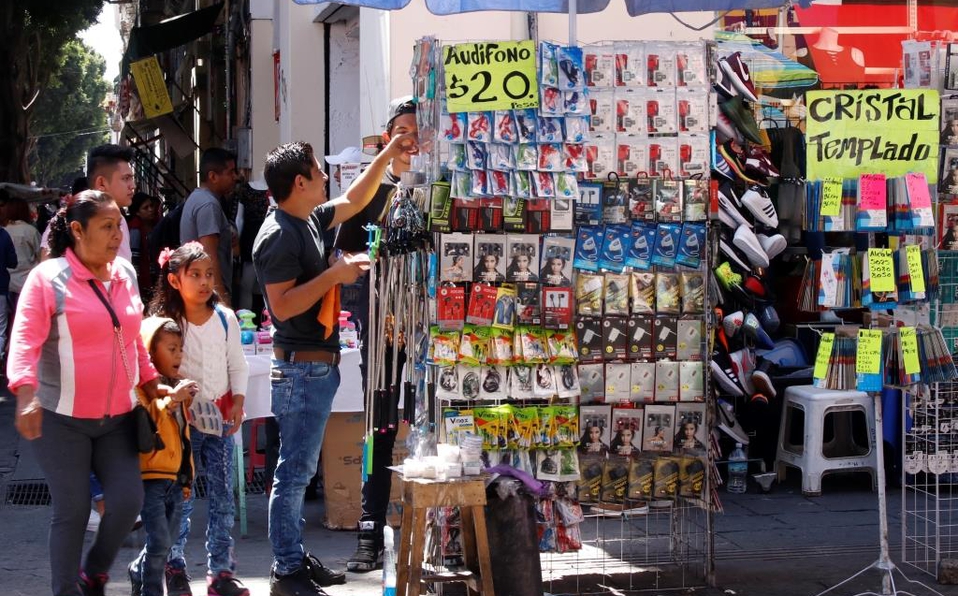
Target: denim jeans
{"x": 162, "y": 510}
{"x": 302, "y": 397}
{"x": 215, "y": 456}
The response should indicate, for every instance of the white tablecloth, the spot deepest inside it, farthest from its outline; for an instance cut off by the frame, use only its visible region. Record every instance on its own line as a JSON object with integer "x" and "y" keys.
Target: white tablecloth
{"x": 349, "y": 397}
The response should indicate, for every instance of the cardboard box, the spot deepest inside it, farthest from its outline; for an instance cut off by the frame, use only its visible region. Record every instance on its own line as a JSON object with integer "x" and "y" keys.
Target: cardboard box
{"x": 343, "y": 471}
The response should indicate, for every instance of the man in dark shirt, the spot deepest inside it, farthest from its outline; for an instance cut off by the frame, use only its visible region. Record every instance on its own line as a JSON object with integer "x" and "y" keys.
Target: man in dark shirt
{"x": 352, "y": 236}
{"x": 291, "y": 263}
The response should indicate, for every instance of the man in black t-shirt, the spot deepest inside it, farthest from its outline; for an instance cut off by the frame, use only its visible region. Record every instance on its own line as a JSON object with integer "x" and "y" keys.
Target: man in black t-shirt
{"x": 297, "y": 277}
{"x": 352, "y": 236}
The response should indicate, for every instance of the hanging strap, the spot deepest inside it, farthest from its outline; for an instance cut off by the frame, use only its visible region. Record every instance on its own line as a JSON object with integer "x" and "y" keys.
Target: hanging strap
{"x": 117, "y": 330}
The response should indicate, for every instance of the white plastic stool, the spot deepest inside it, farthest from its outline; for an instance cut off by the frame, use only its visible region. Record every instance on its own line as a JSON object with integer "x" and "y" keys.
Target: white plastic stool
{"x": 813, "y": 456}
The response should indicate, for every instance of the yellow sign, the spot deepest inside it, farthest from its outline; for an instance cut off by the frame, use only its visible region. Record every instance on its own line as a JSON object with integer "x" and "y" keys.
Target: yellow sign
{"x": 909, "y": 350}
{"x": 151, "y": 87}
{"x": 824, "y": 355}
{"x": 832, "y": 197}
{"x": 915, "y": 271}
{"x": 892, "y": 131}
{"x": 494, "y": 75}
{"x": 868, "y": 353}
{"x": 881, "y": 270}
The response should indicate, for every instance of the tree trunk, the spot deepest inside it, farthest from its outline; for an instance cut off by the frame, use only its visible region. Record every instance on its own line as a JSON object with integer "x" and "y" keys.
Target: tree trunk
{"x": 14, "y": 119}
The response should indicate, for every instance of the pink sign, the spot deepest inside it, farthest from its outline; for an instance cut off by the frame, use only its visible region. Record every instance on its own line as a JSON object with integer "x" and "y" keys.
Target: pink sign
{"x": 873, "y": 192}
{"x": 918, "y": 190}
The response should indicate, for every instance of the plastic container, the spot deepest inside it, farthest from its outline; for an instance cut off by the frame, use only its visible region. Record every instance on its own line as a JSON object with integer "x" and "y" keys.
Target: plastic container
{"x": 389, "y": 562}
{"x": 737, "y": 470}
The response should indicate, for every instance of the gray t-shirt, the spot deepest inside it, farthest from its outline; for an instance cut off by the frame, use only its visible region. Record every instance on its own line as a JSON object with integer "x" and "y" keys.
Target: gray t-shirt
{"x": 288, "y": 248}
{"x": 203, "y": 216}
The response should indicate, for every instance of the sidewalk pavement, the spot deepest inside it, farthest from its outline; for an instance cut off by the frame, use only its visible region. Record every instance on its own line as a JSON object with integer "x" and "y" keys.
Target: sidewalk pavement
{"x": 780, "y": 543}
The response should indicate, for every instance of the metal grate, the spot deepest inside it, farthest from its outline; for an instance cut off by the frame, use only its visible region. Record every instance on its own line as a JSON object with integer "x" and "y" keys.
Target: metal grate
{"x": 26, "y": 492}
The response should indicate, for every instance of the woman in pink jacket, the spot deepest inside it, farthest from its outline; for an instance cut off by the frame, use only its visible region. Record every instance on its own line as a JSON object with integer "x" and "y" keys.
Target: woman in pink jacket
{"x": 73, "y": 372}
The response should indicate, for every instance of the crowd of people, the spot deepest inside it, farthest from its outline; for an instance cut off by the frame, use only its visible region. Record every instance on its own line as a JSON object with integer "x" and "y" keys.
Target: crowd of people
{"x": 114, "y": 285}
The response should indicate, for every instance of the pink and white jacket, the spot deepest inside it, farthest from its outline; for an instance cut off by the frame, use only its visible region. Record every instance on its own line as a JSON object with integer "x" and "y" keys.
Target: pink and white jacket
{"x": 63, "y": 342}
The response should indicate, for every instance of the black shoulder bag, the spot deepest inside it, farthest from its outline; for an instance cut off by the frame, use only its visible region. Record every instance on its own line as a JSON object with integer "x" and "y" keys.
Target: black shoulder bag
{"x": 147, "y": 436}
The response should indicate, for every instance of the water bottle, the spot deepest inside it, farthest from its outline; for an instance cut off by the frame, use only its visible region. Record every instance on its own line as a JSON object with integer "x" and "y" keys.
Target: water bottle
{"x": 389, "y": 562}
{"x": 737, "y": 470}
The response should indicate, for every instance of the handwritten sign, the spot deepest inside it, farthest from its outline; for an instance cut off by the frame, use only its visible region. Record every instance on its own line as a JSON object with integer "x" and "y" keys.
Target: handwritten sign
{"x": 832, "y": 197}
{"x": 488, "y": 76}
{"x": 824, "y": 355}
{"x": 881, "y": 269}
{"x": 909, "y": 350}
{"x": 873, "y": 192}
{"x": 915, "y": 270}
{"x": 151, "y": 87}
{"x": 918, "y": 192}
{"x": 868, "y": 352}
{"x": 894, "y": 131}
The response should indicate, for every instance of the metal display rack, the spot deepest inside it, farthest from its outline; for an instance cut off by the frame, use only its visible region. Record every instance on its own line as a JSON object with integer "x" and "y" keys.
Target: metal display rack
{"x": 930, "y": 443}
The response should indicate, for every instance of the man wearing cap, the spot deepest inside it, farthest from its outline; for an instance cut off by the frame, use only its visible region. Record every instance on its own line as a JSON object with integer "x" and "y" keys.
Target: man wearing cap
{"x": 349, "y": 155}
{"x": 351, "y": 237}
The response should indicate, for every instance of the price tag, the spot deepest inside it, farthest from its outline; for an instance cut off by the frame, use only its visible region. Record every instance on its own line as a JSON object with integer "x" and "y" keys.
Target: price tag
{"x": 872, "y": 192}
{"x": 915, "y": 271}
{"x": 487, "y": 76}
{"x": 918, "y": 193}
{"x": 868, "y": 352}
{"x": 909, "y": 350}
{"x": 824, "y": 355}
{"x": 881, "y": 270}
{"x": 832, "y": 197}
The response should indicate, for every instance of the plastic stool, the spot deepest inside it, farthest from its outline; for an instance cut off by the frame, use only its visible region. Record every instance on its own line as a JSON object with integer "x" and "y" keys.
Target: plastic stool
{"x": 257, "y": 458}
{"x": 813, "y": 456}
{"x": 469, "y": 494}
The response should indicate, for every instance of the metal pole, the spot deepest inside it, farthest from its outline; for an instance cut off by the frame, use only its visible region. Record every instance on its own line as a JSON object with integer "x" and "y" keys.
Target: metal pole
{"x": 573, "y": 16}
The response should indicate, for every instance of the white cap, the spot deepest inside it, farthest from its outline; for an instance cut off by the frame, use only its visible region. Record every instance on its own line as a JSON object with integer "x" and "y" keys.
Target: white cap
{"x": 259, "y": 183}
{"x": 348, "y": 155}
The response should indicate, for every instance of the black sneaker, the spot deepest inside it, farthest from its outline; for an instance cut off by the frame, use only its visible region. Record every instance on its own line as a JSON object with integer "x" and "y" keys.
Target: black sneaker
{"x": 225, "y": 584}
{"x": 321, "y": 574}
{"x": 136, "y": 582}
{"x": 92, "y": 586}
{"x": 297, "y": 583}
{"x": 177, "y": 582}
{"x": 724, "y": 374}
{"x": 368, "y": 556}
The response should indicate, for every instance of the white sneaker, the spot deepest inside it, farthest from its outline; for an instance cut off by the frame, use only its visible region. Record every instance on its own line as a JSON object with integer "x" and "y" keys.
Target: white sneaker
{"x": 748, "y": 243}
{"x": 94, "y": 523}
{"x": 761, "y": 207}
{"x": 772, "y": 245}
{"x": 731, "y": 213}
{"x": 729, "y": 424}
{"x": 732, "y": 323}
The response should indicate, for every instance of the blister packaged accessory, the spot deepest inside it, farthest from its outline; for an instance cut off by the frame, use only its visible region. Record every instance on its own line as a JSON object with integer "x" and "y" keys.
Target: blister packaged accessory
{"x": 480, "y": 127}
{"x": 505, "y": 130}
{"x": 629, "y": 63}
{"x": 616, "y": 293}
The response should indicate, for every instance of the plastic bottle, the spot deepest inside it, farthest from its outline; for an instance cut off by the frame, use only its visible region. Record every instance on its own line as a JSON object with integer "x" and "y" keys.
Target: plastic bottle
{"x": 737, "y": 470}
{"x": 389, "y": 562}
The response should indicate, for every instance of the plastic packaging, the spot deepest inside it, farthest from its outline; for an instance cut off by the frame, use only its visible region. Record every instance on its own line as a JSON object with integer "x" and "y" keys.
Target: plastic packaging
{"x": 737, "y": 470}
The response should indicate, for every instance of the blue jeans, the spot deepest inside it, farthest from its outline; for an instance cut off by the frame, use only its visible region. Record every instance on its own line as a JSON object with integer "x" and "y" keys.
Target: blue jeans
{"x": 302, "y": 397}
{"x": 215, "y": 455}
{"x": 162, "y": 510}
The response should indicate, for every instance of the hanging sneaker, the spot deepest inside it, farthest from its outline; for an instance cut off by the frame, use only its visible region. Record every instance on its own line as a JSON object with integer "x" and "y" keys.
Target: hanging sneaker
{"x": 725, "y": 131}
{"x": 761, "y": 207}
{"x": 723, "y": 82}
{"x": 743, "y": 362}
{"x": 724, "y": 374}
{"x": 720, "y": 166}
{"x": 768, "y": 317}
{"x": 754, "y": 286}
{"x": 738, "y": 75}
{"x": 321, "y": 574}
{"x": 727, "y": 278}
{"x": 177, "y": 581}
{"x": 756, "y": 159}
{"x": 731, "y": 213}
{"x": 753, "y": 329}
{"x": 732, "y": 323}
{"x": 746, "y": 241}
{"x": 772, "y": 245}
{"x": 741, "y": 116}
{"x": 762, "y": 379}
{"x": 734, "y": 257}
{"x": 734, "y": 162}
{"x": 728, "y": 423}
{"x": 225, "y": 584}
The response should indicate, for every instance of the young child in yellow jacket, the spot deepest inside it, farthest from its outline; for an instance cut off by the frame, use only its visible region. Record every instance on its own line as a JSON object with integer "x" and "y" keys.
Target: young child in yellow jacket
{"x": 167, "y": 472}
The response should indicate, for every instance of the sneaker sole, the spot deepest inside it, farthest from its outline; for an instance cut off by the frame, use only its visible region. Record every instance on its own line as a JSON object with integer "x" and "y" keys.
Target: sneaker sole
{"x": 774, "y": 245}
{"x": 753, "y": 250}
{"x": 763, "y": 383}
{"x": 356, "y": 567}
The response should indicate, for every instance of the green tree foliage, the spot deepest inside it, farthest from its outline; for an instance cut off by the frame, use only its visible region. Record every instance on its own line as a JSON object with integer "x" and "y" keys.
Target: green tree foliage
{"x": 32, "y": 35}
{"x": 69, "y": 118}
